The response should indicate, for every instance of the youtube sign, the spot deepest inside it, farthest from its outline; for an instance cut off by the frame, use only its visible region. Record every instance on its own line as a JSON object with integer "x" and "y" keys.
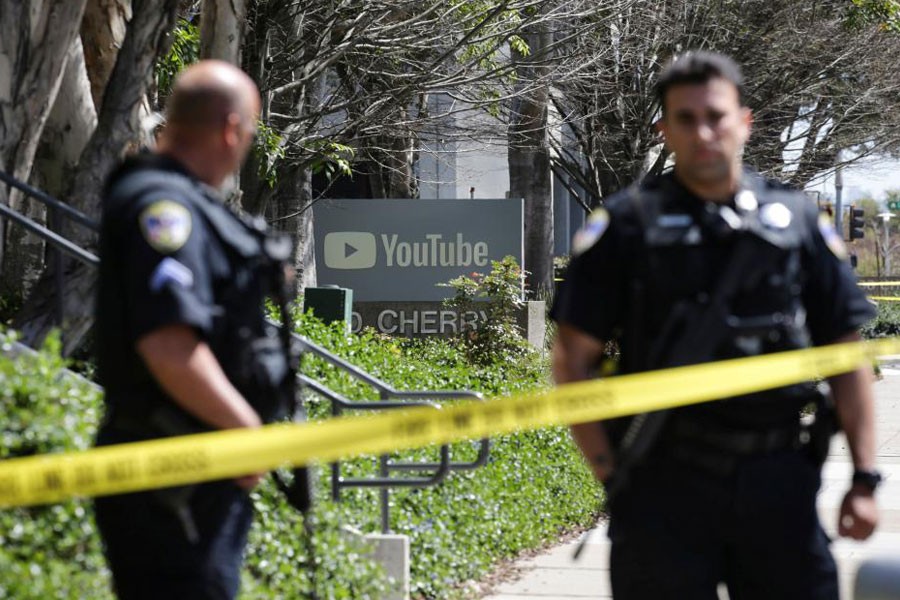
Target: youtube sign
{"x": 405, "y": 250}
{"x": 350, "y": 250}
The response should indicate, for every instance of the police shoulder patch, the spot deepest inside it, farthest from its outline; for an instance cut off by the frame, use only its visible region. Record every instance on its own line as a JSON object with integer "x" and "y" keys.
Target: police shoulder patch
{"x": 593, "y": 230}
{"x": 832, "y": 237}
{"x": 166, "y": 225}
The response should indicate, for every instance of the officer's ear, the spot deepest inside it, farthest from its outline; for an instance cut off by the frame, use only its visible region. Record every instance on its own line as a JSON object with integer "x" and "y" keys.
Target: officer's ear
{"x": 660, "y": 126}
{"x": 746, "y": 116}
{"x": 231, "y": 134}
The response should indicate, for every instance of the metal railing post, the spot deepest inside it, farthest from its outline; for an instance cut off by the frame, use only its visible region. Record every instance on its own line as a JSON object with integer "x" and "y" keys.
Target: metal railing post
{"x": 385, "y": 495}
{"x": 55, "y": 221}
{"x": 336, "y": 465}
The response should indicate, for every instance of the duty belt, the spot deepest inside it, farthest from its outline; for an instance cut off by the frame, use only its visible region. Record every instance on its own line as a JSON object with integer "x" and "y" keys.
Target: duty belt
{"x": 736, "y": 442}
{"x": 161, "y": 421}
{"x": 719, "y": 452}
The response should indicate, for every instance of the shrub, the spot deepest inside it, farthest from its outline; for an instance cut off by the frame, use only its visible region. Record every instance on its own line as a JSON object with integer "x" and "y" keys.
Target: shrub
{"x": 499, "y": 295}
{"x": 886, "y": 323}
{"x": 47, "y": 551}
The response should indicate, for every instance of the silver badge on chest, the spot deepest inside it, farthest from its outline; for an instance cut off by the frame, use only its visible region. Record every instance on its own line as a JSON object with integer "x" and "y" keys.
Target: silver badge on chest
{"x": 775, "y": 216}
{"x": 745, "y": 201}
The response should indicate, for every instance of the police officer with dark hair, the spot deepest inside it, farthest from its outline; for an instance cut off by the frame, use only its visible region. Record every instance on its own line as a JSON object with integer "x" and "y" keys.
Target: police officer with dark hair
{"x": 705, "y": 263}
{"x": 183, "y": 345}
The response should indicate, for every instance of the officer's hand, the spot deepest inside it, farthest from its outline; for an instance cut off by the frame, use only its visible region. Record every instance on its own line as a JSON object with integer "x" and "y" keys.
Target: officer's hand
{"x": 602, "y": 466}
{"x": 290, "y": 275}
{"x": 859, "y": 514}
{"x": 248, "y": 482}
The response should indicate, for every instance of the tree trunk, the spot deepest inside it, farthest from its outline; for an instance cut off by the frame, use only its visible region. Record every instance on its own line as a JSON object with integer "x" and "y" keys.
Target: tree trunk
{"x": 529, "y": 175}
{"x": 69, "y": 126}
{"x": 390, "y": 165}
{"x": 102, "y": 32}
{"x": 222, "y": 29}
{"x": 34, "y": 39}
{"x": 529, "y": 164}
{"x": 292, "y": 213}
{"x": 288, "y": 205}
{"x": 117, "y": 127}
{"x": 221, "y": 33}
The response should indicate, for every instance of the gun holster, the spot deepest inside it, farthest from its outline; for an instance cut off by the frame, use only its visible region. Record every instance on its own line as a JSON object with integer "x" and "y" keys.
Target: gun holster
{"x": 824, "y": 424}
{"x": 167, "y": 422}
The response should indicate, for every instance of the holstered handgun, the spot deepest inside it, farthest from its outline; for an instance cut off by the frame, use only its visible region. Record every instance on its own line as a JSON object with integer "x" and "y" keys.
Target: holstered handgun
{"x": 823, "y": 426}
{"x": 167, "y": 421}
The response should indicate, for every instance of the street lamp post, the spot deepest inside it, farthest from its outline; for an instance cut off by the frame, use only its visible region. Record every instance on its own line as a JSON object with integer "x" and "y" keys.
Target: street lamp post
{"x": 838, "y": 197}
{"x": 886, "y": 248}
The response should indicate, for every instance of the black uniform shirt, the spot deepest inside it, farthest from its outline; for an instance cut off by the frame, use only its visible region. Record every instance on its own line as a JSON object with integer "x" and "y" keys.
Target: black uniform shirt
{"x": 161, "y": 264}
{"x": 597, "y": 296}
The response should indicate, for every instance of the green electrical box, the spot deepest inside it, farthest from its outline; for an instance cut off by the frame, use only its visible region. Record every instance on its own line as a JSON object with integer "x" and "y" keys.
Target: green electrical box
{"x": 329, "y": 303}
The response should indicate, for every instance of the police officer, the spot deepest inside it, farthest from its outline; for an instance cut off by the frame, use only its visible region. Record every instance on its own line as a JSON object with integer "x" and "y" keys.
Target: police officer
{"x": 183, "y": 345}
{"x": 705, "y": 263}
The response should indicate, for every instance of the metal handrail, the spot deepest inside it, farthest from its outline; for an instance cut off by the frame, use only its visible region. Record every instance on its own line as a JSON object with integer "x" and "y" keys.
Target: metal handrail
{"x": 391, "y": 398}
{"x": 48, "y": 200}
{"x": 339, "y": 404}
{"x": 53, "y": 238}
{"x": 62, "y": 247}
{"x": 384, "y": 388}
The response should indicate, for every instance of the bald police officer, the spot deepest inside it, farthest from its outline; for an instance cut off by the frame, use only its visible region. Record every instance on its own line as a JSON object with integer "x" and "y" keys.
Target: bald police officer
{"x": 183, "y": 345}
{"x": 710, "y": 262}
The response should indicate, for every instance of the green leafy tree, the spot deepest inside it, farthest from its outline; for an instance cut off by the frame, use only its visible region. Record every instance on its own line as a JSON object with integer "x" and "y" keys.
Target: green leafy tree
{"x": 185, "y": 50}
{"x": 885, "y": 13}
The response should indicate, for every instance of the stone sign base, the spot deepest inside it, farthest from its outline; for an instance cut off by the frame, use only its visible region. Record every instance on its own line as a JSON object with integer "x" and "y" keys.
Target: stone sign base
{"x": 420, "y": 319}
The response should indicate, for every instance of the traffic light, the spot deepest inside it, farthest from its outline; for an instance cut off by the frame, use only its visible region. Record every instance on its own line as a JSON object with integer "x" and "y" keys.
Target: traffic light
{"x": 856, "y": 223}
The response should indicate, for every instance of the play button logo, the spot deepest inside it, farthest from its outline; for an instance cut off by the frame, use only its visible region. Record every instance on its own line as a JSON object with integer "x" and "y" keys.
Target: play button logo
{"x": 350, "y": 250}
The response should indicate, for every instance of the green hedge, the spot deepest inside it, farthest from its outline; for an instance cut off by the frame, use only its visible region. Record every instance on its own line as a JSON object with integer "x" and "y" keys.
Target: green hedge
{"x": 534, "y": 486}
{"x": 47, "y": 551}
{"x": 886, "y": 323}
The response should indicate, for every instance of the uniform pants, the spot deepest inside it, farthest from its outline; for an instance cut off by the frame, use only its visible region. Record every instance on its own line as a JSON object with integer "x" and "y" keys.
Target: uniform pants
{"x": 678, "y": 531}
{"x": 151, "y": 556}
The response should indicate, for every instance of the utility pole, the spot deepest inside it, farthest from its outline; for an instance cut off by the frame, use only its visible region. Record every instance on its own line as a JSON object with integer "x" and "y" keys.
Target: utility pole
{"x": 838, "y": 208}
{"x": 886, "y": 248}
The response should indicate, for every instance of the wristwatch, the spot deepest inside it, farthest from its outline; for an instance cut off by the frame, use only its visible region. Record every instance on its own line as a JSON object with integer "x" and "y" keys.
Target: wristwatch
{"x": 868, "y": 479}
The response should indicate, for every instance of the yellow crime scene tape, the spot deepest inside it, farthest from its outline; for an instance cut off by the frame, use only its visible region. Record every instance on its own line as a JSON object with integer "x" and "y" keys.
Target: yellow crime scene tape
{"x": 881, "y": 284}
{"x": 224, "y": 454}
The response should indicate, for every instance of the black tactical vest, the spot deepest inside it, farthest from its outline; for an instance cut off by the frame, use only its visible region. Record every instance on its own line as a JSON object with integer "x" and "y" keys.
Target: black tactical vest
{"x": 246, "y": 346}
{"x": 682, "y": 249}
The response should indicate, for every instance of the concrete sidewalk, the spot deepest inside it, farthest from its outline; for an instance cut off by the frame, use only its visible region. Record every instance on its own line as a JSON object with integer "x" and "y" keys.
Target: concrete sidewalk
{"x": 554, "y": 575}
